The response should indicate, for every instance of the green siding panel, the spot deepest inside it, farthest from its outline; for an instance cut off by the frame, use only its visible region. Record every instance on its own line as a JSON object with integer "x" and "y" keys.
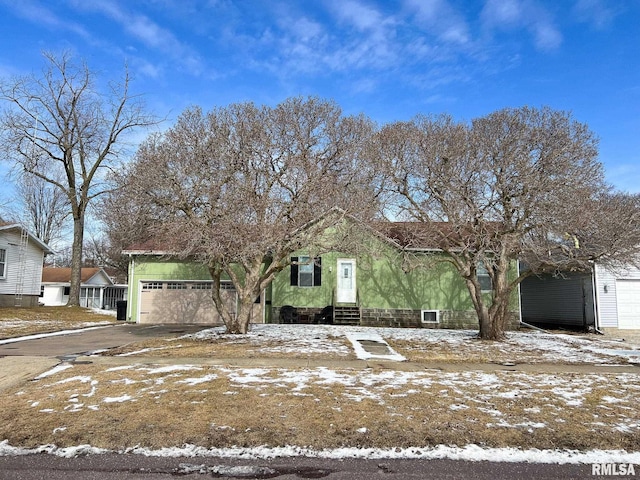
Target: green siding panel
{"x": 381, "y": 283}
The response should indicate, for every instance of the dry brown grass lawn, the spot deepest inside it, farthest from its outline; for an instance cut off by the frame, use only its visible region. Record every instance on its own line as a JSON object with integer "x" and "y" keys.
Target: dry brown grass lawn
{"x": 157, "y": 407}
{"x": 224, "y": 347}
{"x": 16, "y": 322}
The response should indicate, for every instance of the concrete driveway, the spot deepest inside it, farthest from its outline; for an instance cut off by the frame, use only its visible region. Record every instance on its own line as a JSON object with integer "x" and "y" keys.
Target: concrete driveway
{"x": 82, "y": 342}
{"x": 24, "y": 360}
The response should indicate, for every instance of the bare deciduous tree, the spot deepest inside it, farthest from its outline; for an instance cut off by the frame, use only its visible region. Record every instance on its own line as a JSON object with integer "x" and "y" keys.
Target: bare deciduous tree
{"x": 42, "y": 207}
{"x": 60, "y": 120}
{"x": 243, "y": 187}
{"x": 516, "y": 184}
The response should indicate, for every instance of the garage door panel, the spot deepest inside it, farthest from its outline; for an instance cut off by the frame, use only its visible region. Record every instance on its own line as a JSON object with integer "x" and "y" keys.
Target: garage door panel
{"x": 174, "y": 303}
{"x": 628, "y": 303}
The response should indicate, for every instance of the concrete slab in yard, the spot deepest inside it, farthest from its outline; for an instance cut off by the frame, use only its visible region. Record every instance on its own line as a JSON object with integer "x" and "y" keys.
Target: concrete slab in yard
{"x": 17, "y": 370}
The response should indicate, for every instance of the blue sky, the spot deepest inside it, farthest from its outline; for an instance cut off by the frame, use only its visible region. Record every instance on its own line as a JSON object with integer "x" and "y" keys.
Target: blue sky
{"x": 387, "y": 59}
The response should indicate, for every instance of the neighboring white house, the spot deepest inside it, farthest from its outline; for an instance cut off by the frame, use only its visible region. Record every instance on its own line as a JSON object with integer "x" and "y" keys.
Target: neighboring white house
{"x": 56, "y": 283}
{"x": 603, "y": 298}
{"x": 21, "y": 258}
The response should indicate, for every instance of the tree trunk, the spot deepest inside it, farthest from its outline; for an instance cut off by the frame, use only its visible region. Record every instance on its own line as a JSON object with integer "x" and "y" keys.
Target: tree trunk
{"x": 248, "y": 288}
{"x": 498, "y": 315}
{"x": 492, "y": 320}
{"x": 243, "y": 315}
{"x": 76, "y": 260}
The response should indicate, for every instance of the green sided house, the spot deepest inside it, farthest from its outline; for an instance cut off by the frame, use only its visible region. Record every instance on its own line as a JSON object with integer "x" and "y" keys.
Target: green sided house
{"x": 379, "y": 286}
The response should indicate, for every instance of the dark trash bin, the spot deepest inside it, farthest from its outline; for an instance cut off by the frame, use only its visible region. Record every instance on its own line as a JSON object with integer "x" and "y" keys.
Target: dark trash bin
{"x": 288, "y": 314}
{"x": 121, "y": 310}
{"x": 325, "y": 316}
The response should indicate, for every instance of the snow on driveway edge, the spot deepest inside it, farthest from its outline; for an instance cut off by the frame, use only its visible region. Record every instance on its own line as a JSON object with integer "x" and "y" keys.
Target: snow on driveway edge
{"x": 470, "y": 453}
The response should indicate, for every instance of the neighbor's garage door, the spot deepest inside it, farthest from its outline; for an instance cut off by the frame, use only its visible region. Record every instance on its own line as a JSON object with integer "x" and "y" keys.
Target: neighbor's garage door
{"x": 628, "y": 296}
{"x": 182, "y": 302}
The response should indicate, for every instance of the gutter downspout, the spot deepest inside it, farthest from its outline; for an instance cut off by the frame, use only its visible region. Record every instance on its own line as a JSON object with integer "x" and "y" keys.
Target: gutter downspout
{"x": 132, "y": 269}
{"x": 519, "y": 295}
{"x": 596, "y": 299}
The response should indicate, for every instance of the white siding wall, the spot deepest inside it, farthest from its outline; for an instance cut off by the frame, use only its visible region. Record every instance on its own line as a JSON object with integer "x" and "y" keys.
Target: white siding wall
{"x": 607, "y": 300}
{"x": 34, "y": 257}
{"x": 53, "y": 296}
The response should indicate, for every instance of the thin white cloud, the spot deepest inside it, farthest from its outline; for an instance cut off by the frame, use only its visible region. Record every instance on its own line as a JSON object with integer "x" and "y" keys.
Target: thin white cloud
{"x": 35, "y": 12}
{"x": 147, "y": 31}
{"x": 361, "y": 38}
{"x": 502, "y": 12}
{"x": 361, "y": 16}
{"x": 595, "y": 12}
{"x": 441, "y": 19}
{"x": 522, "y": 14}
{"x": 546, "y": 36}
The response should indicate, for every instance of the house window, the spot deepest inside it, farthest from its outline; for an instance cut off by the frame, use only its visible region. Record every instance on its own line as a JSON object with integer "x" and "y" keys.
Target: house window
{"x": 66, "y": 291}
{"x": 306, "y": 272}
{"x": 484, "y": 279}
{"x": 430, "y": 316}
{"x": 3, "y": 263}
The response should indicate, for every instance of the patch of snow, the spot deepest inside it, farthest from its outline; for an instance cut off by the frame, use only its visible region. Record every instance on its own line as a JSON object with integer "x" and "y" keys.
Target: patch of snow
{"x": 51, "y": 334}
{"x": 198, "y": 380}
{"x": 123, "y": 398}
{"x": 58, "y": 368}
{"x": 144, "y": 350}
{"x": 77, "y": 378}
{"x": 466, "y": 453}
{"x": 123, "y": 367}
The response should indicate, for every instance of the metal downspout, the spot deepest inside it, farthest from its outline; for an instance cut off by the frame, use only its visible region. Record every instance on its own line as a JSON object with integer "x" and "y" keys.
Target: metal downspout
{"x": 596, "y": 299}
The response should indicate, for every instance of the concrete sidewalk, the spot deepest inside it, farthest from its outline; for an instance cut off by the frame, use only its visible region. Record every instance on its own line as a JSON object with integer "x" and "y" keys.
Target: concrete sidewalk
{"x": 336, "y": 364}
{"x": 15, "y": 370}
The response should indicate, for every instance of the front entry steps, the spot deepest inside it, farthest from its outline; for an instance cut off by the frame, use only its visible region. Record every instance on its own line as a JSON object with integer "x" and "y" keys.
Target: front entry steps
{"x": 346, "y": 315}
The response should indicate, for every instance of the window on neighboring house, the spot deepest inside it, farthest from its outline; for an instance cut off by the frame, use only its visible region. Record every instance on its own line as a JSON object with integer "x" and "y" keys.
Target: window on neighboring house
{"x": 483, "y": 278}
{"x": 306, "y": 272}
{"x": 66, "y": 292}
{"x": 3, "y": 263}
{"x": 41, "y": 291}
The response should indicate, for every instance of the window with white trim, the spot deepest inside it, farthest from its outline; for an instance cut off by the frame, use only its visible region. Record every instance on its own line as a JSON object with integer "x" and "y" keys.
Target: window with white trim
{"x": 3, "y": 263}
{"x": 430, "y": 316}
{"x": 306, "y": 271}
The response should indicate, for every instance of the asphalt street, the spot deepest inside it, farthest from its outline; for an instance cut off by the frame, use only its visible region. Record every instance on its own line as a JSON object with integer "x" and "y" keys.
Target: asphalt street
{"x": 138, "y": 467}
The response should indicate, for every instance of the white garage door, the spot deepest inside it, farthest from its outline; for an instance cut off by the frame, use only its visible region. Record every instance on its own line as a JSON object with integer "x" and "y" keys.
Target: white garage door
{"x": 628, "y": 297}
{"x": 182, "y": 302}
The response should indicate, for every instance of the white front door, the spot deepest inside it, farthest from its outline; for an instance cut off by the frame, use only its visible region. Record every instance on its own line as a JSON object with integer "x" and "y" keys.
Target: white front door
{"x": 346, "y": 281}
